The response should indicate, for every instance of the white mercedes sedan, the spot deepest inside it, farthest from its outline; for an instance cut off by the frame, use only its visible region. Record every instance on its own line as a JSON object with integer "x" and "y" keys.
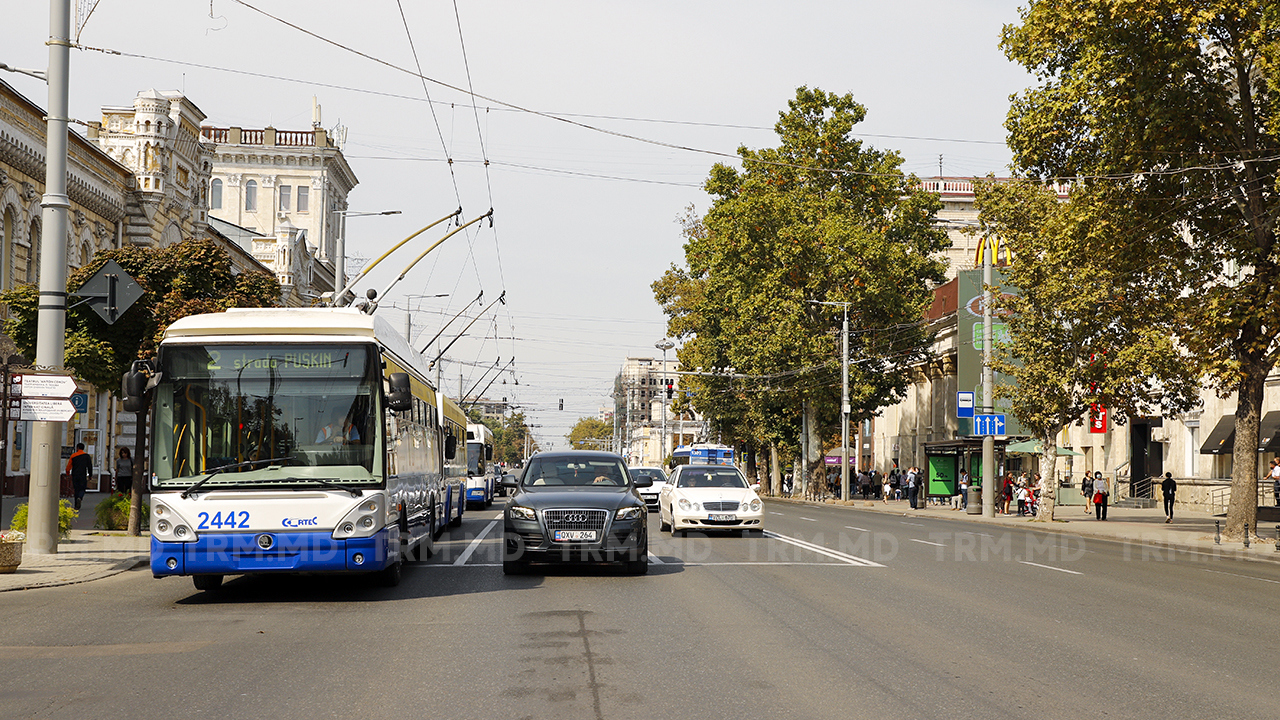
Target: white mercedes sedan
{"x": 709, "y": 497}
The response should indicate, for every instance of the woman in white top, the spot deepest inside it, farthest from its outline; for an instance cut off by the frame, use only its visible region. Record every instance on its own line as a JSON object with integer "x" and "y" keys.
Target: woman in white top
{"x": 1101, "y": 493}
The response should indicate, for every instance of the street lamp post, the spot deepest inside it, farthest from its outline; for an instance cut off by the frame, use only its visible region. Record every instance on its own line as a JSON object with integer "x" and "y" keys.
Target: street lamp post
{"x": 340, "y": 246}
{"x": 844, "y": 396}
{"x": 664, "y": 345}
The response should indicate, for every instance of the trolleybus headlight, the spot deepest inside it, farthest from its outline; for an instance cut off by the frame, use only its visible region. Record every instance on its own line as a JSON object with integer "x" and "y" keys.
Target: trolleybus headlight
{"x": 180, "y": 532}
{"x": 348, "y": 528}
{"x": 366, "y": 522}
{"x": 362, "y": 520}
{"x": 162, "y": 526}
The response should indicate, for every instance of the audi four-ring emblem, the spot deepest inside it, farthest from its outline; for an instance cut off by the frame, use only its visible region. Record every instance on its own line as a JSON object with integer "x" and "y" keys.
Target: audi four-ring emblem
{"x": 576, "y": 518}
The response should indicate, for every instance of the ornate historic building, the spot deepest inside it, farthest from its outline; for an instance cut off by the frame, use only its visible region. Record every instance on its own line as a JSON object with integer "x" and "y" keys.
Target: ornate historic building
{"x": 289, "y": 189}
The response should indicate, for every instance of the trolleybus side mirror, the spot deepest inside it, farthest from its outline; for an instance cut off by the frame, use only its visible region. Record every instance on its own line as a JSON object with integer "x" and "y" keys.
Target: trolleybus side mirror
{"x": 450, "y": 447}
{"x": 488, "y": 452}
{"x": 400, "y": 396}
{"x": 134, "y": 389}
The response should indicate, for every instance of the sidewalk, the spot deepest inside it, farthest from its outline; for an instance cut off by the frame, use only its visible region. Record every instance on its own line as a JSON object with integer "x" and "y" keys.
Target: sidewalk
{"x": 1190, "y": 531}
{"x": 88, "y": 554}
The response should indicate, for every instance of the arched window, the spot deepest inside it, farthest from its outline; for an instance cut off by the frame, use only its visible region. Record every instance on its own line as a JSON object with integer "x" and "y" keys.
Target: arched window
{"x": 215, "y": 195}
{"x": 6, "y": 250}
{"x": 251, "y": 196}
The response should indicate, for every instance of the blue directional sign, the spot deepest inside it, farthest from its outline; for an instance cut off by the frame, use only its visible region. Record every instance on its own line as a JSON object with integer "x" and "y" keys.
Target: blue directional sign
{"x": 80, "y": 401}
{"x": 964, "y": 404}
{"x": 988, "y": 425}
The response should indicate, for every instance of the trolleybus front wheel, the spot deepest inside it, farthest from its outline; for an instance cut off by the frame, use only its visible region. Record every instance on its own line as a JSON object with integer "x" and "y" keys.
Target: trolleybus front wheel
{"x": 207, "y": 583}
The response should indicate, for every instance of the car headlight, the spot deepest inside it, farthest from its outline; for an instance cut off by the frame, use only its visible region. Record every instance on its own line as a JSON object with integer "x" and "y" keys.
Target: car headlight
{"x": 685, "y": 504}
{"x": 755, "y": 505}
{"x": 627, "y": 513}
{"x": 522, "y": 513}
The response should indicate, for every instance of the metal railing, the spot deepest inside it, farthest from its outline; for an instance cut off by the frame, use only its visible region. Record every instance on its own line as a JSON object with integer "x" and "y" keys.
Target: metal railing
{"x": 1219, "y": 499}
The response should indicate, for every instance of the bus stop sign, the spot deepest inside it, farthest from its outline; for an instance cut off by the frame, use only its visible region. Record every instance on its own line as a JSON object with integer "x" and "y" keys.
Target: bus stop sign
{"x": 110, "y": 292}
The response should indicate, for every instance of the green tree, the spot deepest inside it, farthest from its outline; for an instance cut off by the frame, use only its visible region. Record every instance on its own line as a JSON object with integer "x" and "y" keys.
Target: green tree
{"x": 590, "y": 434}
{"x": 1080, "y": 331}
{"x": 818, "y": 218}
{"x": 182, "y": 279}
{"x": 1175, "y": 105}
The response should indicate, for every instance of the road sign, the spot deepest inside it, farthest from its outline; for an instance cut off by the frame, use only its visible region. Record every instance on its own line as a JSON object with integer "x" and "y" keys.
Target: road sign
{"x": 41, "y": 409}
{"x": 988, "y": 425}
{"x": 42, "y": 386}
{"x": 80, "y": 401}
{"x": 964, "y": 404}
{"x": 110, "y": 292}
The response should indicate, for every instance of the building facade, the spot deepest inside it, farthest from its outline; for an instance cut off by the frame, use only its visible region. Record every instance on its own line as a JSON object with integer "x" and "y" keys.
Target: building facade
{"x": 646, "y": 431}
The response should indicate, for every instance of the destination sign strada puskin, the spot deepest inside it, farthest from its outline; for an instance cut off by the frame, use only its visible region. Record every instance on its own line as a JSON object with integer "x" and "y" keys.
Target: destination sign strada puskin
{"x": 290, "y": 360}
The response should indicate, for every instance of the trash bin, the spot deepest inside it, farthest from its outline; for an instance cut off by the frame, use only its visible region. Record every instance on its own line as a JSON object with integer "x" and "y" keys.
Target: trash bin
{"x": 974, "y": 506}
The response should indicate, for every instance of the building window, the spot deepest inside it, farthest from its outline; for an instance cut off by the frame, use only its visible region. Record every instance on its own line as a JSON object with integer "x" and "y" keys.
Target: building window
{"x": 285, "y": 200}
{"x": 215, "y": 195}
{"x": 304, "y": 198}
{"x": 251, "y": 196}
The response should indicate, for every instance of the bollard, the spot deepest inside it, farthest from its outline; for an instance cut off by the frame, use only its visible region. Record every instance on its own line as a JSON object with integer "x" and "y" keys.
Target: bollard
{"x": 1246, "y": 535}
{"x": 1217, "y": 532}
{"x": 1278, "y": 538}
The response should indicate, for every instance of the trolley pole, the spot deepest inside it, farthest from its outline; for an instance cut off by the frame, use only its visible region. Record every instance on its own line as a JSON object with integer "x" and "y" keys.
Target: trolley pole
{"x": 46, "y": 437}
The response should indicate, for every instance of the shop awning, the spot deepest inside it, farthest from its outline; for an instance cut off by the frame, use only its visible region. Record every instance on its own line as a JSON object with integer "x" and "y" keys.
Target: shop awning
{"x": 1035, "y": 447}
{"x": 1223, "y": 437}
{"x": 1269, "y": 432}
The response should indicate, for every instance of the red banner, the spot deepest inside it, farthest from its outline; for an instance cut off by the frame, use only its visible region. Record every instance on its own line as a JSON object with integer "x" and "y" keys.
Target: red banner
{"x": 1097, "y": 419}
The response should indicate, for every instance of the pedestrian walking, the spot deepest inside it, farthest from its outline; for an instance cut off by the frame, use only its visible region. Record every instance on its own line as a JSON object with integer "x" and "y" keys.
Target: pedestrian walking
{"x": 1101, "y": 493}
{"x": 1169, "y": 488}
{"x": 79, "y": 465}
{"x": 1086, "y": 489}
{"x": 1275, "y": 480}
{"x": 913, "y": 487}
{"x": 124, "y": 472}
{"x": 964, "y": 489}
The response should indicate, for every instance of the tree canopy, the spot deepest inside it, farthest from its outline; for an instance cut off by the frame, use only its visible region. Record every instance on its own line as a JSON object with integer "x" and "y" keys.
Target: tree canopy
{"x": 590, "y": 429}
{"x": 820, "y": 218}
{"x": 1173, "y": 108}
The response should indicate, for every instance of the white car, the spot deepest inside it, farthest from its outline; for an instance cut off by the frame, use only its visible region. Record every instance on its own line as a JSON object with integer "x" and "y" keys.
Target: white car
{"x": 651, "y": 493}
{"x": 709, "y": 497}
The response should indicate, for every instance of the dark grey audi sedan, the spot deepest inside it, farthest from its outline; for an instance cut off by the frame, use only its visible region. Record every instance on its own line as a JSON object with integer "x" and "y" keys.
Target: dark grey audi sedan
{"x": 574, "y": 507}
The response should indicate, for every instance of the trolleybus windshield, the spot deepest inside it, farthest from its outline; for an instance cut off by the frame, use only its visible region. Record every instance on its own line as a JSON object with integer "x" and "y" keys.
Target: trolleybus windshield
{"x": 312, "y": 406}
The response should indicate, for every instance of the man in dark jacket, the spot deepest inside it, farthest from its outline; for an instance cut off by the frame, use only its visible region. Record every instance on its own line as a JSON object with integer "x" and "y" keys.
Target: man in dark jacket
{"x": 79, "y": 465}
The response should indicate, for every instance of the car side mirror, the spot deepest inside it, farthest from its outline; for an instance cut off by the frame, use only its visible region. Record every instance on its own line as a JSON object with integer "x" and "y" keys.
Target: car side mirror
{"x": 755, "y": 486}
{"x": 644, "y": 482}
{"x": 510, "y": 481}
{"x": 400, "y": 394}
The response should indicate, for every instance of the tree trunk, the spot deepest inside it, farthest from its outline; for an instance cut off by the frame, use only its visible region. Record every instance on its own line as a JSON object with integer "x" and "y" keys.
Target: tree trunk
{"x": 1242, "y": 512}
{"x": 817, "y": 477}
{"x": 1048, "y": 469}
{"x": 776, "y": 469}
{"x": 751, "y": 462}
{"x": 140, "y": 474}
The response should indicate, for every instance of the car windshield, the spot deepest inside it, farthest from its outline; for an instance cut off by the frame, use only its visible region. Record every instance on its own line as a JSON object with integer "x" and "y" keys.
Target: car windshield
{"x": 575, "y": 472}
{"x": 711, "y": 478}
{"x": 653, "y": 474}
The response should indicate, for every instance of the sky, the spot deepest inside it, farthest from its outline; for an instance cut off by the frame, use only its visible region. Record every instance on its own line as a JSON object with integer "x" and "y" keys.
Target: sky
{"x": 593, "y": 127}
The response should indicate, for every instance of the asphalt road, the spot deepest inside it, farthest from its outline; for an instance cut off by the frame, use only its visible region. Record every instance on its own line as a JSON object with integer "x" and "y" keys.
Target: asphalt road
{"x": 836, "y": 613}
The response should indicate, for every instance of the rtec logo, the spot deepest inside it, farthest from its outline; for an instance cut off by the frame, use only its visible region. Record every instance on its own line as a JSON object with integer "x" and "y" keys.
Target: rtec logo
{"x": 300, "y": 522}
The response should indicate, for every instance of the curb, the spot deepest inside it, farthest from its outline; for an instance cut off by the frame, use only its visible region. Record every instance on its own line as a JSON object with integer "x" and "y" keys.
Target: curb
{"x": 125, "y": 565}
{"x": 1066, "y": 529}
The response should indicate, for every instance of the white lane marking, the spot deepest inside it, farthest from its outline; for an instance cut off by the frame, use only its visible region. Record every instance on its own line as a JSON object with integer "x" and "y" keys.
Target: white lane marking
{"x": 850, "y": 527}
{"x": 843, "y": 557}
{"x": 903, "y": 522}
{"x": 809, "y": 519}
{"x": 774, "y": 513}
{"x": 683, "y": 564}
{"x": 1251, "y": 577}
{"x": 926, "y": 542}
{"x": 466, "y": 554}
{"x": 1050, "y": 567}
{"x": 655, "y": 560}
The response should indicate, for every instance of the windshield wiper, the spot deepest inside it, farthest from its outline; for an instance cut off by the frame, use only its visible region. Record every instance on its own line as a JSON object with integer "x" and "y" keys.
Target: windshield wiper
{"x": 328, "y": 482}
{"x": 248, "y": 463}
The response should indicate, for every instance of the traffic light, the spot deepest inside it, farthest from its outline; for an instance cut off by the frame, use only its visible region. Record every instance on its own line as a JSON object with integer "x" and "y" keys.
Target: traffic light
{"x": 561, "y": 403}
{"x": 670, "y": 390}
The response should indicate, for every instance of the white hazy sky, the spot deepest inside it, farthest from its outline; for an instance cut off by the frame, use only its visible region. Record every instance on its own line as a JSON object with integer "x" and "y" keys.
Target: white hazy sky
{"x": 584, "y": 220}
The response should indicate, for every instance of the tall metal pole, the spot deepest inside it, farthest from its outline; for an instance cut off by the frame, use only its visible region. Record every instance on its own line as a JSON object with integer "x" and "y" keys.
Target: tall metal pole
{"x": 664, "y": 345}
{"x": 989, "y": 488}
{"x": 46, "y": 437}
{"x": 844, "y": 406}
